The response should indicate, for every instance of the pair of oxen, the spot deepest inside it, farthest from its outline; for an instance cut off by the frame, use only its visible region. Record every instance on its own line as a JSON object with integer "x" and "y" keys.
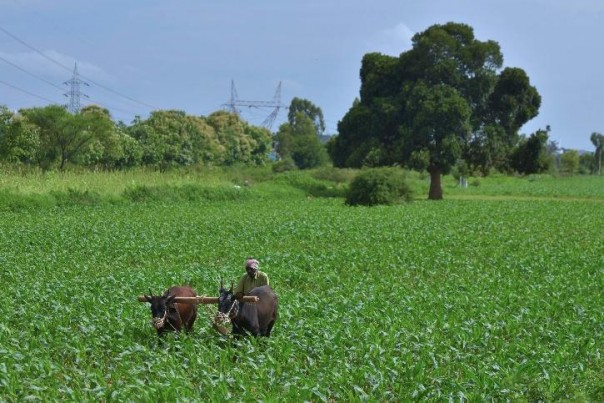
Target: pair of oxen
{"x": 256, "y": 318}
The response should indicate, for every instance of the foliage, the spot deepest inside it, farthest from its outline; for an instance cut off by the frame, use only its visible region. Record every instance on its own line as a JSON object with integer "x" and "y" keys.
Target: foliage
{"x": 19, "y": 139}
{"x": 569, "y": 162}
{"x": 441, "y": 100}
{"x": 284, "y": 164}
{"x": 311, "y": 185}
{"x": 587, "y": 163}
{"x": 303, "y": 107}
{"x": 375, "y": 186}
{"x": 65, "y": 138}
{"x": 184, "y": 193}
{"x": 300, "y": 142}
{"x": 597, "y": 140}
{"x": 460, "y": 169}
{"x": 530, "y": 155}
{"x": 52, "y": 138}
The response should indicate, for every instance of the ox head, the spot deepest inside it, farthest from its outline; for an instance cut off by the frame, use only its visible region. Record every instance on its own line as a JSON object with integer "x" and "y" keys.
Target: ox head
{"x": 159, "y": 308}
{"x": 227, "y": 304}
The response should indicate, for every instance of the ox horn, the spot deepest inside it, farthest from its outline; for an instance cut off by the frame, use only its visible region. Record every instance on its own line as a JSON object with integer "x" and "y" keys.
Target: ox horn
{"x": 231, "y": 290}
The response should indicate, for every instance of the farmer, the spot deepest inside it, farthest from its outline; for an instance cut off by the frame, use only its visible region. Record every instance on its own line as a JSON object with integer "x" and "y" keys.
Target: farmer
{"x": 252, "y": 279}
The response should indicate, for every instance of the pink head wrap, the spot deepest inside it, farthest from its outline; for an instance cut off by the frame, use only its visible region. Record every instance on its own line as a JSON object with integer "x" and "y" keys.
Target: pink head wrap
{"x": 253, "y": 263}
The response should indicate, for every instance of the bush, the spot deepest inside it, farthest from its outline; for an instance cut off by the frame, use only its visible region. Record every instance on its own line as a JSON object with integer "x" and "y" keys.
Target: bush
{"x": 286, "y": 164}
{"x": 337, "y": 175}
{"x": 379, "y": 186}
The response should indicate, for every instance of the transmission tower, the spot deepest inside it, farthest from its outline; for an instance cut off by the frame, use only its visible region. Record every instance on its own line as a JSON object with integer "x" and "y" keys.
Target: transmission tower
{"x": 275, "y": 104}
{"x": 74, "y": 93}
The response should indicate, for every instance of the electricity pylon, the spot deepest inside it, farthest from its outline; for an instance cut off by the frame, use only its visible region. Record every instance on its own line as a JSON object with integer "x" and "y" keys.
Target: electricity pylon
{"x": 275, "y": 104}
{"x": 74, "y": 93}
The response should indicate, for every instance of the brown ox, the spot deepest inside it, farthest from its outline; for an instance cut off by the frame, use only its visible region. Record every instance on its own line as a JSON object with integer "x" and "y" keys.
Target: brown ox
{"x": 171, "y": 316}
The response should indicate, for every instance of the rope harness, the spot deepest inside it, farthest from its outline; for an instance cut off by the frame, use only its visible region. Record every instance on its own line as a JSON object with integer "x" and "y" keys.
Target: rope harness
{"x": 224, "y": 318}
{"x": 158, "y": 323}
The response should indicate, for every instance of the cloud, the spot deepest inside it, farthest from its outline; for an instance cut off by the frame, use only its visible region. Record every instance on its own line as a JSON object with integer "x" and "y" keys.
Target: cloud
{"x": 391, "y": 41}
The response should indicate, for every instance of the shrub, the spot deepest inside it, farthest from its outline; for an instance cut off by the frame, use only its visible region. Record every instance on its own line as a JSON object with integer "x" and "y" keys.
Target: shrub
{"x": 379, "y": 186}
{"x": 286, "y": 164}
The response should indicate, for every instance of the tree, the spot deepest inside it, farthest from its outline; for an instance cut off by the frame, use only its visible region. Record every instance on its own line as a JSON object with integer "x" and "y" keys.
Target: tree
{"x": 439, "y": 125}
{"x": 308, "y": 109}
{"x": 242, "y": 142}
{"x": 569, "y": 162}
{"x": 442, "y": 99}
{"x": 530, "y": 156}
{"x": 512, "y": 103}
{"x": 173, "y": 138}
{"x": 103, "y": 146}
{"x": 299, "y": 138}
{"x": 19, "y": 140}
{"x": 597, "y": 140}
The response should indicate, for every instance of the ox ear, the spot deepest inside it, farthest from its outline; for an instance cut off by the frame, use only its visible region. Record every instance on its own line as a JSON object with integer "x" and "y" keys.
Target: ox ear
{"x": 170, "y": 299}
{"x": 148, "y": 297}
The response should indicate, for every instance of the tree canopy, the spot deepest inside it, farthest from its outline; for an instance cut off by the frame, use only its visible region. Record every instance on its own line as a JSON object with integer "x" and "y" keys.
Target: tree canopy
{"x": 597, "y": 139}
{"x": 52, "y": 137}
{"x": 445, "y": 98}
{"x": 298, "y": 139}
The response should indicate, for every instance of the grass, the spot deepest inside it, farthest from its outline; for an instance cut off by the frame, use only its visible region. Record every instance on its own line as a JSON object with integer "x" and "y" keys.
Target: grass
{"x": 479, "y": 299}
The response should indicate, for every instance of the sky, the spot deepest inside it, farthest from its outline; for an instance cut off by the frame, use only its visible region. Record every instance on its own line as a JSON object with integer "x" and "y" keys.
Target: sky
{"x": 137, "y": 56}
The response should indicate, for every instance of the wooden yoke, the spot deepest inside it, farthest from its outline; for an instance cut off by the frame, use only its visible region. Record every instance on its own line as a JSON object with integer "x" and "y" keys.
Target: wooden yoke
{"x": 200, "y": 299}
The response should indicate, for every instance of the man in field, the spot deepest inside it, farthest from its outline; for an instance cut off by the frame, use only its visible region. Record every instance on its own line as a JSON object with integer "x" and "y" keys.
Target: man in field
{"x": 252, "y": 279}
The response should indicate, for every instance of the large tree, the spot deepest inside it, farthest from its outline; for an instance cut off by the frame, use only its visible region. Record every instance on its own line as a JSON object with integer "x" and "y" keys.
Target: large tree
{"x": 298, "y": 139}
{"x": 597, "y": 140}
{"x": 436, "y": 102}
{"x": 530, "y": 156}
{"x": 64, "y": 136}
{"x": 19, "y": 139}
{"x": 303, "y": 107}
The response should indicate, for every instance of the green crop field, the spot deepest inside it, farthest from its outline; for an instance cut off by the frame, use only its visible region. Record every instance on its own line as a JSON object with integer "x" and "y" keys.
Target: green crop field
{"x": 494, "y": 293}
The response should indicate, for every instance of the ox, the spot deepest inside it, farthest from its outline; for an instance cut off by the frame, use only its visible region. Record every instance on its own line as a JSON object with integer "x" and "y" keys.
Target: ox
{"x": 170, "y": 316}
{"x": 248, "y": 317}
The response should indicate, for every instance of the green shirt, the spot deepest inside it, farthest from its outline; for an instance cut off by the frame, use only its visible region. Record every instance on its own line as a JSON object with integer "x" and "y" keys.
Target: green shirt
{"x": 247, "y": 283}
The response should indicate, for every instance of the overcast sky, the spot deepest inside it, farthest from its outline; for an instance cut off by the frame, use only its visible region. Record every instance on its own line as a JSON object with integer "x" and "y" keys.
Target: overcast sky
{"x": 142, "y": 55}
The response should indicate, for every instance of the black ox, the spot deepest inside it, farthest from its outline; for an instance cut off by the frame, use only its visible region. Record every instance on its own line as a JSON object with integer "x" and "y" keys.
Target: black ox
{"x": 256, "y": 318}
{"x": 168, "y": 315}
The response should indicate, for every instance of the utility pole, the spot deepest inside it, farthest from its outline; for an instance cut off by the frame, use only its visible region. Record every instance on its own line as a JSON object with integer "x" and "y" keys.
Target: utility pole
{"x": 275, "y": 104}
{"x": 74, "y": 93}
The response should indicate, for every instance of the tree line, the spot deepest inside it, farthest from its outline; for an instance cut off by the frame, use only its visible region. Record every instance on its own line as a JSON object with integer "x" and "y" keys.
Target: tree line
{"x": 51, "y": 137}
{"x": 444, "y": 105}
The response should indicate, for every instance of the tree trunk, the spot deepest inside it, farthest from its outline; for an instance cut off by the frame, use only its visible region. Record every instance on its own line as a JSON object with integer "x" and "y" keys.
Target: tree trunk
{"x": 436, "y": 190}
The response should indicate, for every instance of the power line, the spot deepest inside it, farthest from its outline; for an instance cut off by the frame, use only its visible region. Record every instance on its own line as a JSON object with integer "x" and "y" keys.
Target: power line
{"x": 61, "y": 89}
{"x": 28, "y": 93}
{"x": 68, "y": 69}
{"x": 31, "y": 74}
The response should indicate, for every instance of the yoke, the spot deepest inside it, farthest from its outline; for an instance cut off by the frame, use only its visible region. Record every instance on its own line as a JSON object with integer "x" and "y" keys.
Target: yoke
{"x": 201, "y": 299}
